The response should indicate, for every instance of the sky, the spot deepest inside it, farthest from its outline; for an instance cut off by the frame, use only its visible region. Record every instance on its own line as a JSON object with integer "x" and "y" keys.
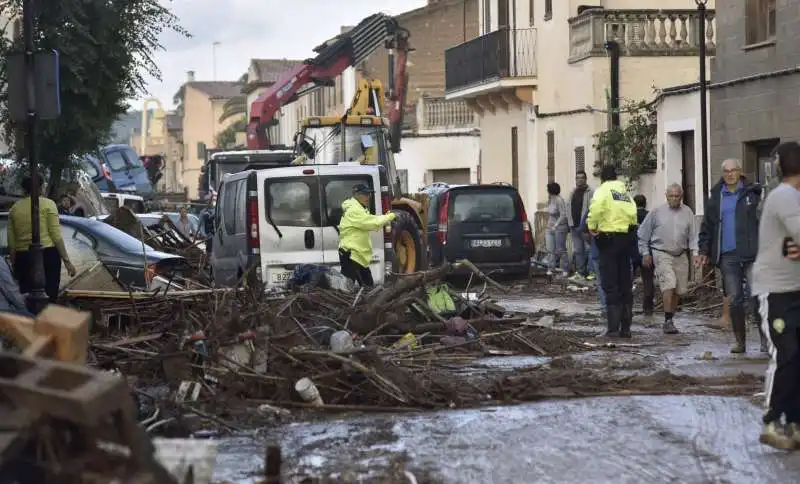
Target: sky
{"x": 251, "y": 29}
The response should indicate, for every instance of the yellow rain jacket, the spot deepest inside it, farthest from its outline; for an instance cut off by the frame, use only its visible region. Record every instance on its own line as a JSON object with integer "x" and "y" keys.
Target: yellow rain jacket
{"x": 611, "y": 209}
{"x": 354, "y": 229}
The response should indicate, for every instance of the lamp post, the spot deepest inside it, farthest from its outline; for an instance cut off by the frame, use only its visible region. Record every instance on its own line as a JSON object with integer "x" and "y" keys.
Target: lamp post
{"x": 701, "y": 39}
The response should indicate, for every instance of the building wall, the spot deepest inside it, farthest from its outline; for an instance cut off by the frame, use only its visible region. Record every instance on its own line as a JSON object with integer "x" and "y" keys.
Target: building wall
{"x": 433, "y": 29}
{"x": 200, "y": 125}
{"x": 496, "y": 160}
{"x": 422, "y": 154}
{"x": 761, "y": 109}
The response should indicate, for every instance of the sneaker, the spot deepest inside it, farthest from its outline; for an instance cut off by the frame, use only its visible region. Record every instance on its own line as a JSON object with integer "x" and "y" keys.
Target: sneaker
{"x": 776, "y": 437}
{"x": 591, "y": 277}
{"x": 669, "y": 327}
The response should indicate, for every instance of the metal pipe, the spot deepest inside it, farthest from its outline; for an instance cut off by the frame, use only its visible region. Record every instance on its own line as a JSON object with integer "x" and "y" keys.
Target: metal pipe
{"x": 701, "y": 32}
{"x": 37, "y": 299}
{"x": 613, "y": 49}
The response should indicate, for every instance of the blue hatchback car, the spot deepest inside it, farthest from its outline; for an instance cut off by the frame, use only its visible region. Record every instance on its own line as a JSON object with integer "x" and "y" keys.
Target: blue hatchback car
{"x": 120, "y": 165}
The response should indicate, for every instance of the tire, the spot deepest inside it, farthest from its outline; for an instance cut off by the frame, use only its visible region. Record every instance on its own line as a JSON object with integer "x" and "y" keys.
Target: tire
{"x": 406, "y": 233}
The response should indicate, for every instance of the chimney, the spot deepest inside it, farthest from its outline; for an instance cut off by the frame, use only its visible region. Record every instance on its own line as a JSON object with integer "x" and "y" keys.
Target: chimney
{"x": 189, "y": 76}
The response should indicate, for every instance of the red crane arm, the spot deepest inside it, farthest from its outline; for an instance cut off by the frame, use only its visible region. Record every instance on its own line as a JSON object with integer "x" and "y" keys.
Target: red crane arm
{"x": 334, "y": 57}
{"x": 398, "y": 88}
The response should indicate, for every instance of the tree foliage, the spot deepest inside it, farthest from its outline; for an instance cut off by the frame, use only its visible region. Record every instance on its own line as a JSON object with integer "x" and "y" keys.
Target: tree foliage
{"x": 631, "y": 147}
{"x": 106, "y": 48}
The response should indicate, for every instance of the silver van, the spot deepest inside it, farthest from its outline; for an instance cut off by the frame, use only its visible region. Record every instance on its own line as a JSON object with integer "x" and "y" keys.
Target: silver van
{"x": 274, "y": 220}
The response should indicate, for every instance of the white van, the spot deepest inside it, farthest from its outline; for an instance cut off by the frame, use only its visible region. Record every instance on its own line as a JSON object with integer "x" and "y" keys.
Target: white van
{"x": 115, "y": 200}
{"x": 276, "y": 219}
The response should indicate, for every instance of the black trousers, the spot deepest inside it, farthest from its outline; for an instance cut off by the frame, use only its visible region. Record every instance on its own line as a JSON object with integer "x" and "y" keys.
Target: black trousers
{"x": 648, "y": 285}
{"x": 23, "y": 271}
{"x": 615, "y": 268}
{"x": 355, "y": 271}
{"x": 782, "y": 320}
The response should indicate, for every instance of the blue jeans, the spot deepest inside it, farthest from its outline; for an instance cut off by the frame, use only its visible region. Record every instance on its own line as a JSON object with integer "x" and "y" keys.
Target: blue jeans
{"x": 736, "y": 284}
{"x": 580, "y": 249}
{"x": 556, "y": 242}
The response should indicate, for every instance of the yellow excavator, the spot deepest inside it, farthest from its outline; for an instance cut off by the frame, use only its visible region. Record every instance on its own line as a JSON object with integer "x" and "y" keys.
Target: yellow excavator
{"x": 363, "y": 134}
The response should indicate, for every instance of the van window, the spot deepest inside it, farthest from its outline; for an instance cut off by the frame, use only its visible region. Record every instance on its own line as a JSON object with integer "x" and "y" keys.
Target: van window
{"x": 89, "y": 168}
{"x": 133, "y": 158}
{"x": 483, "y": 206}
{"x": 241, "y": 206}
{"x": 111, "y": 204}
{"x": 116, "y": 161}
{"x": 229, "y": 208}
{"x": 292, "y": 202}
{"x": 338, "y": 189}
{"x": 136, "y": 206}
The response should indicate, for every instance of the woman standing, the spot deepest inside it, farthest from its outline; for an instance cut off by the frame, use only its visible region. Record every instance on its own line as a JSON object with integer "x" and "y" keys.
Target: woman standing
{"x": 19, "y": 242}
{"x": 557, "y": 229}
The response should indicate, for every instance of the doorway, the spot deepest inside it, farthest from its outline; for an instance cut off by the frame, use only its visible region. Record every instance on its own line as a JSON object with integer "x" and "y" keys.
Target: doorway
{"x": 688, "y": 170}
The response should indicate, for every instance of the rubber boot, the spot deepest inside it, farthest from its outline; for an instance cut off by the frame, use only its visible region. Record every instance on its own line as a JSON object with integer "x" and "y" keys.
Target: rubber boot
{"x": 613, "y": 320}
{"x": 625, "y": 321}
{"x": 669, "y": 327}
{"x": 738, "y": 324}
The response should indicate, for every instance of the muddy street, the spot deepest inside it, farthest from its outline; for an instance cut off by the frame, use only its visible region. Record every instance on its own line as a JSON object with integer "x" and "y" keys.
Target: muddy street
{"x": 675, "y": 408}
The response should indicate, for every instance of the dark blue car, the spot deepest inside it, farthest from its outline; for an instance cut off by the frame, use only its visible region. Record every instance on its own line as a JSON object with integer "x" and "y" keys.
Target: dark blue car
{"x": 118, "y": 168}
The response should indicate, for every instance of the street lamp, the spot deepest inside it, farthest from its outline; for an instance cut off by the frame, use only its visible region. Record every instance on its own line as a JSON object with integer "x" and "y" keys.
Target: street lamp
{"x": 701, "y": 39}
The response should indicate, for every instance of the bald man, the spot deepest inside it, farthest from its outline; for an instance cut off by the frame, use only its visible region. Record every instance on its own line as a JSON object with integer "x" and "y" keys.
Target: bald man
{"x": 666, "y": 240}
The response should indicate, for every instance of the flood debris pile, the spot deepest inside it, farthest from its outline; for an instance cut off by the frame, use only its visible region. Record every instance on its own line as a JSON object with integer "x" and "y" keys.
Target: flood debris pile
{"x": 315, "y": 346}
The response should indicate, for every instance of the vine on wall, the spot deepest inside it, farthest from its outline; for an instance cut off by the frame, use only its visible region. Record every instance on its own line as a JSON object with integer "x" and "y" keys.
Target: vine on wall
{"x": 632, "y": 146}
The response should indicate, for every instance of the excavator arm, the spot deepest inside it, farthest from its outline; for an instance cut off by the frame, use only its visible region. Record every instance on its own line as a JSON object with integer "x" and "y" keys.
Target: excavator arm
{"x": 333, "y": 58}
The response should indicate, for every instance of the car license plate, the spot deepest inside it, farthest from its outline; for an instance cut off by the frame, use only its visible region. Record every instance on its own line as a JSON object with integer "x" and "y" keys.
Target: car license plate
{"x": 281, "y": 277}
{"x": 487, "y": 243}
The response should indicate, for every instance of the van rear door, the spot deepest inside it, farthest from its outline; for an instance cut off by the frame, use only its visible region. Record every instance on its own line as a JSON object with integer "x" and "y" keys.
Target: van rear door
{"x": 336, "y": 186}
{"x": 484, "y": 225}
{"x": 290, "y": 221}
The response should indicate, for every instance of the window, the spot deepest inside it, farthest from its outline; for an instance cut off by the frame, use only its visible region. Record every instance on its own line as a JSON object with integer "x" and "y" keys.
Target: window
{"x": 759, "y": 21}
{"x": 514, "y": 157}
{"x": 483, "y": 206}
{"x": 548, "y": 9}
{"x": 112, "y": 204}
{"x": 133, "y": 158}
{"x": 758, "y": 159}
{"x": 551, "y": 156}
{"x": 503, "y": 21}
{"x": 241, "y": 206}
{"x": 229, "y": 208}
{"x": 116, "y": 161}
{"x": 89, "y": 167}
{"x": 403, "y": 176}
{"x": 292, "y": 203}
{"x": 337, "y": 190}
{"x": 136, "y": 206}
{"x": 531, "y": 14}
{"x": 580, "y": 159}
{"x": 114, "y": 237}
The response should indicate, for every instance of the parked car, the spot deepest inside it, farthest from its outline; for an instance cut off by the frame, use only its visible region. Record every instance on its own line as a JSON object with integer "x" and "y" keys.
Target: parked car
{"x": 485, "y": 224}
{"x": 126, "y": 171}
{"x": 277, "y": 219}
{"x": 88, "y": 241}
{"x": 155, "y": 218}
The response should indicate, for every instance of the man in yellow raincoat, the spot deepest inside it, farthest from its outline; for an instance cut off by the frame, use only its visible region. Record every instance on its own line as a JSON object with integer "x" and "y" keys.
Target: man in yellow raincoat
{"x": 355, "y": 243}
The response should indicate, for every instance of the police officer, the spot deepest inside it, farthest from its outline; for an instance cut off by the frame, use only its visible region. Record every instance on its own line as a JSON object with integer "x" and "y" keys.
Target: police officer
{"x": 612, "y": 214}
{"x": 355, "y": 243}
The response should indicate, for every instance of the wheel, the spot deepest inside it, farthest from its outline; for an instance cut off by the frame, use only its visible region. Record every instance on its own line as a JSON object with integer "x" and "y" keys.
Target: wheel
{"x": 407, "y": 242}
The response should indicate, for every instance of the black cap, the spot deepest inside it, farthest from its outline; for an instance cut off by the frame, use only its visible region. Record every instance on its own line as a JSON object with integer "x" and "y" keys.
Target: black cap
{"x": 362, "y": 189}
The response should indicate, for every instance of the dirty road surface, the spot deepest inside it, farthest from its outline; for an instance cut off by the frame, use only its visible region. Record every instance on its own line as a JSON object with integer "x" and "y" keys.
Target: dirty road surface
{"x": 671, "y": 409}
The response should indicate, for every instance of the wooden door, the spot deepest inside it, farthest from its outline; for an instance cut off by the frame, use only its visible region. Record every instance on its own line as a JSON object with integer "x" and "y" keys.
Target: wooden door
{"x": 688, "y": 169}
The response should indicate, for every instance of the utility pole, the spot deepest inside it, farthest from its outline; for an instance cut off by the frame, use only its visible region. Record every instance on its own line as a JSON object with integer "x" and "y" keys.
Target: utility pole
{"x": 37, "y": 299}
{"x": 701, "y": 39}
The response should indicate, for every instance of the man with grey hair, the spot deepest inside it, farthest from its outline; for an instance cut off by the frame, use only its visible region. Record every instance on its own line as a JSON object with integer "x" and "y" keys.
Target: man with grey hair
{"x": 666, "y": 236}
{"x": 728, "y": 239}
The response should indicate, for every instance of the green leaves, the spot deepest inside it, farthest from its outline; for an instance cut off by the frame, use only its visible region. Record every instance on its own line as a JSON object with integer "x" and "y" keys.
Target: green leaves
{"x": 631, "y": 147}
{"x": 105, "y": 47}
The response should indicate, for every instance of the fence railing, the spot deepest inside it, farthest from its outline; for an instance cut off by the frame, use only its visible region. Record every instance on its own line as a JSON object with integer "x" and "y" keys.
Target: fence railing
{"x": 504, "y": 53}
{"x": 640, "y": 32}
{"x": 436, "y": 114}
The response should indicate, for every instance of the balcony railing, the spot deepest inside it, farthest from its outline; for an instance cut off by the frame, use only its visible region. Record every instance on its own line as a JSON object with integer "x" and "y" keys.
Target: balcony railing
{"x": 639, "y": 32}
{"x": 436, "y": 114}
{"x": 504, "y": 53}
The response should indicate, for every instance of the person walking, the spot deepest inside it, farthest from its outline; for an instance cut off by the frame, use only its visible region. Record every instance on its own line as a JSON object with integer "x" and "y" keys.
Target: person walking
{"x": 612, "y": 215}
{"x": 776, "y": 282}
{"x": 20, "y": 234}
{"x": 207, "y": 220}
{"x": 647, "y": 273}
{"x": 728, "y": 239}
{"x": 578, "y": 207}
{"x": 666, "y": 237}
{"x": 557, "y": 229}
{"x": 355, "y": 242}
{"x": 184, "y": 224}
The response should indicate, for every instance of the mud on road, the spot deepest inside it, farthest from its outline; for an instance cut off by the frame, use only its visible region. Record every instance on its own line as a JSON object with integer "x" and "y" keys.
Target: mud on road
{"x": 665, "y": 409}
